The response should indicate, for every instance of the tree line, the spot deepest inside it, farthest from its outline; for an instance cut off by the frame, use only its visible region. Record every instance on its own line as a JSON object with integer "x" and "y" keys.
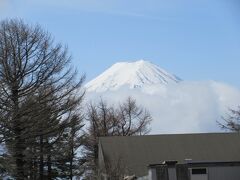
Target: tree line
{"x": 46, "y": 131}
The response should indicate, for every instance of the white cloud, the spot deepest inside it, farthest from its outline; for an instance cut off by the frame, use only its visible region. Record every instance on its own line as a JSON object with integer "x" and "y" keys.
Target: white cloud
{"x": 116, "y": 7}
{"x": 181, "y": 108}
{"x": 143, "y": 9}
{"x": 85, "y": 5}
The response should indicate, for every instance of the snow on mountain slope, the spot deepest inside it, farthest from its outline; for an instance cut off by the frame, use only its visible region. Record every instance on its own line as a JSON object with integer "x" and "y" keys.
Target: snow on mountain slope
{"x": 176, "y": 106}
{"x": 131, "y": 74}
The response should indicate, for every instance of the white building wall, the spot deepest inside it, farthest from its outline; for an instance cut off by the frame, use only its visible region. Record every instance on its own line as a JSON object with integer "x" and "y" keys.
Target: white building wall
{"x": 213, "y": 173}
{"x": 199, "y": 177}
{"x": 152, "y": 174}
{"x": 224, "y": 173}
{"x": 172, "y": 174}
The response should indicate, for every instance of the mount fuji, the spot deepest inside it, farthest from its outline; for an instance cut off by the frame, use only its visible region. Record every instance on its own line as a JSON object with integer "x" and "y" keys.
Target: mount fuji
{"x": 176, "y": 106}
{"x": 132, "y": 75}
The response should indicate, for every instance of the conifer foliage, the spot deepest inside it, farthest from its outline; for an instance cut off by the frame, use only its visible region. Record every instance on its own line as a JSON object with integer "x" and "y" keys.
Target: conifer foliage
{"x": 40, "y": 124}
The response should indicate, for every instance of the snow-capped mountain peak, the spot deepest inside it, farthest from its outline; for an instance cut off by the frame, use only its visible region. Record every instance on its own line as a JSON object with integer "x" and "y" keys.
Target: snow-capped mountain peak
{"x": 131, "y": 74}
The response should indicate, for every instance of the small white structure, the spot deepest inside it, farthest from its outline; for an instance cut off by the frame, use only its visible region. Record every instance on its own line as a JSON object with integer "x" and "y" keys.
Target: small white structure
{"x": 195, "y": 171}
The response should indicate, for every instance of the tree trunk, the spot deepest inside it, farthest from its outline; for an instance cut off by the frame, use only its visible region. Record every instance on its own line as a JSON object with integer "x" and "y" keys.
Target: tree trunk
{"x": 49, "y": 165}
{"x": 71, "y": 163}
{"x": 18, "y": 141}
{"x": 35, "y": 170}
{"x": 41, "y": 165}
{"x": 19, "y": 157}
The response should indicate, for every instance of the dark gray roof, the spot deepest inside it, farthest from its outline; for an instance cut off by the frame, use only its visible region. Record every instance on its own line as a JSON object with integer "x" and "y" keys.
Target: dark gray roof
{"x": 137, "y": 152}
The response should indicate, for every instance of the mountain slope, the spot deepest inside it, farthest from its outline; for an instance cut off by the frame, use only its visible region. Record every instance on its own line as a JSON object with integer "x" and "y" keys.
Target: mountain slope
{"x": 131, "y": 74}
{"x": 175, "y": 107}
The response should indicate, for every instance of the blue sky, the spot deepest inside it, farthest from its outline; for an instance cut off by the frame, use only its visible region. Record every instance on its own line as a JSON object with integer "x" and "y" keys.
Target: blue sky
{"x": 196, "y": 40}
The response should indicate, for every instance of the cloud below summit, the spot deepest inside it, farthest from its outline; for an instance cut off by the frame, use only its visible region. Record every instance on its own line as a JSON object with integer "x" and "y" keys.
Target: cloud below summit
{"x": 185, "y": 107}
